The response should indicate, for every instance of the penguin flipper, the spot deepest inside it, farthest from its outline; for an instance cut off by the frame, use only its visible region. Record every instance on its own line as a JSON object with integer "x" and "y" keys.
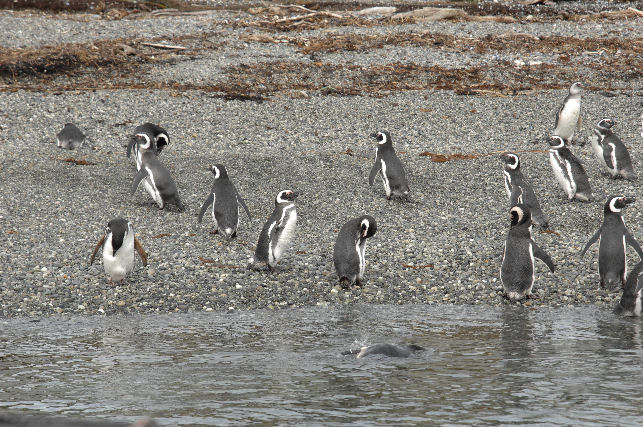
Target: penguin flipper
{"x": 629, "y": 239}
{"x": 130, "y": 145}
{"x": 141, "y": 251}
{"x": 542, "y": 255}
{"x": 607, "y": 155}
{"x": 591, "y": 242}
{"x": 375, "y": 169}
{"x": 240, "y": 200}
{"x": 205, "y": 206}
{"x": 98, "y": 245}
{"x": 140, "y": 175}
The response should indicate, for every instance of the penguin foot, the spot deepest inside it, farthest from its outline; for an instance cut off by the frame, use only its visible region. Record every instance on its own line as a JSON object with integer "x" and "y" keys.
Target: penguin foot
{"x": 358, "y": 282}
{"x": 344, "y": 283}
{"x": 531, "y": 296}
{"x": 214, "y": 232}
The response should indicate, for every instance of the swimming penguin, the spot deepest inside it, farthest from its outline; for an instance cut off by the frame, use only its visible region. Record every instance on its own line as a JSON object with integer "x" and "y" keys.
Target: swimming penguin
{"x": 390, "y": 167}
{"x": 277, "y": 231}
{"x": 225, "y": 201}
{"x": 349, "y": 251}
{"x": 517, "y": 270}
{"x": 568, "y": 118}
{"x": 118, "y": 244}
{"x": 161, "y": 185}
{"x": 569, "y": 171}
{"x": 154, "y": 138}
{"x": 630, "y": 303}
{"x": 520, "y": 191}
{"x": 70, "y": 137}
{"x": 391, "y": 350}
{"x": 611, "y": 152}
{"x": 613, "y": 236}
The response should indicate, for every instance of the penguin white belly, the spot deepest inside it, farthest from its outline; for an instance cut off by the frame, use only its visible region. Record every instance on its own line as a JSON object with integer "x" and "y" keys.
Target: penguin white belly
{"x": 150, "y": 187}
{"x": 361, "y": 251}
{"x": 560, "y": 174}
{"x": 637, "y": 305}
{"x": 533, "y": 273}
{"x": 290, "y": 218}
{"x": 598, "y": 148}
{"x": 508, "y": 184}
{"x": 214, "y": 218}
{"x": 119, "y": 265}
{"x": 614, "y": 170}
{"x": 568, "y": 120}
{"x": 387, "y": 184}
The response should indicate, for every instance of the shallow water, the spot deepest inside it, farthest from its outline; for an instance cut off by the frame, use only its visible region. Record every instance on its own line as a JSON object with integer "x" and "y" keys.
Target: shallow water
{"x": 484, "y": 365}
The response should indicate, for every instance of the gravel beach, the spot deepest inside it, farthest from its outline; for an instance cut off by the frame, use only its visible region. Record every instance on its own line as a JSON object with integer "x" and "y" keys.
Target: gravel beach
{"x": 283, "y": 114}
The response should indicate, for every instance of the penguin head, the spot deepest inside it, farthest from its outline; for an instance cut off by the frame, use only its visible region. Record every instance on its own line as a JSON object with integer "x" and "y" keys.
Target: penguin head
{"x": 520, "y": 214}
{"x": 118, "y": 228}
{"x": 512, "y": 161}
{"x": 144, "y": 141}
{"x": 576, "y": 88}
{"x": 219, "y": 171}
{"x": 606, "y": 124}
{"x": 556, "y": 142}
{"x": 382, "y": 137}
{"x": 367, "y": 226}
{"x": 286, "y": 196}
{"x": 615, "y": 204}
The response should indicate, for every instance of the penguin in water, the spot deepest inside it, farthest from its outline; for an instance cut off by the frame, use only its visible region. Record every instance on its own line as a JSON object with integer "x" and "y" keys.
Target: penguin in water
{"x": 70, "y": 137}
{"x": 389, "y": 165}
{"x": 350, "y": 247}
{"x": 517, "y": 270}
{"x": 568, "y": 118}
{"x": 614, "y": 237}
{"x": 386, "y": 349}
{"x": 155, "y": 138}
{"x": 225, "y": 201}
{"x": 520, "y": 191}
{"x": 569, "y": 171}
{"x": 630, "y": 303}
{"x": 277, "y": 231}
{"x": 161, "y": 185}
{"x": 611, "y": 152}
{"x": 118, "y": 244}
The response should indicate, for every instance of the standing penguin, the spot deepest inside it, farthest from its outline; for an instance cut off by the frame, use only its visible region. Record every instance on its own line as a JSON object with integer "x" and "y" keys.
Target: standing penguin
{"x": 349, "y": 251}
{"x": 155, "y": 138}
{"x": 225, "y": 200}
{"x": 630, "y": 303}
{"x": 613, "y": 239}
{"x": 390, "y": 166}
{"x": 161, "y": 185}
{"x": 519, "y": 190}
{"x": 568, "y": 119}
{"x": 70, "y": 137}
{"x": 277, "y": 231}
{"x": 118, "y": 244}
{"x": 611, "y": 152}
{"x": 569, "y": 171}
{"x": 517, "y": 270}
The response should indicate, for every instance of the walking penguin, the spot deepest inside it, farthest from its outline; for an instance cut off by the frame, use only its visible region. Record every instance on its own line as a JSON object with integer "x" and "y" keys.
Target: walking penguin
{"x": 569, "y": 171}
{"x": 611, "y": 152}
{"x": 350, "y": 247}
{"x": 389, "y": 165}
{"x": 568, "y": 118}
{"x": 519, "y": 190}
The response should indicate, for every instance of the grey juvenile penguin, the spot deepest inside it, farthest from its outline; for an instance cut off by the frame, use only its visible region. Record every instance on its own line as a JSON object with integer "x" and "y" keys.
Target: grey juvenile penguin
{"x": 386, "y": 349}
{"x": 277, "y": 231}
{"x": 611, "y": 152}
{"x": 517, "y": 270}
{"x": 225, "y": 201}
{"x": 154, "y": 138}
{"x": 349, "y": 251}
{"x": 568, "y": 118}
{"x": 389, "y": 165}
{"x": 614, "y": 237}
{"x": 118, "y": 244}
{"x": 519, "y": 190}
{"x": 630, "y": 303}
{"x": 70, "y": 137}
{"x": 569, "y": 171}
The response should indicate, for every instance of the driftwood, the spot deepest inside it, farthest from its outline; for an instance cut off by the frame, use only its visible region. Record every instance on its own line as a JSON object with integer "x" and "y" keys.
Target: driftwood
{"x": 164, "y": 46}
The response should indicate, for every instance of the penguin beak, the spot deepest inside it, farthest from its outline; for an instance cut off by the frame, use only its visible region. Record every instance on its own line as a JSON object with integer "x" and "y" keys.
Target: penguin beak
{"x": 373, "y": 135}
{"x": 295, "y": 194}
{"x": 629, "y": 200}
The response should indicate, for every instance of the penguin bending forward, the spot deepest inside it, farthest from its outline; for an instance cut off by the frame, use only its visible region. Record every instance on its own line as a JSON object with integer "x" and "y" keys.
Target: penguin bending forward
{"x": 389, "y": 166}
{"x": 517, "y": 270}
{"x": 614, "y": 237}
{"x": 70, "y": 137}
{"x": 225, "y": 201}
{"x": 630, "y": 303}
{"x": 569, "y": 171}
{"x": 350, "y": 247}
{"x": 568, "y": 117}
{"x": 611, "y": 152}
{"x": 118, "y": 244}
{"x": 276, "y": 232}
{"x": 520, "y": 191}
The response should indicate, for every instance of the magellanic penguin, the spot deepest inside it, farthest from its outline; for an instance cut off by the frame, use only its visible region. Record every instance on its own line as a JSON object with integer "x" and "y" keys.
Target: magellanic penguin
{"x": 161, "y": 185}
{"x": 277, "y": 231}
{"x": 118, "y": 244}
{"x": 568, "y": 118}
{"x": 389, "y": 166}
{"x": 569, "y": 171}
{"x": 630, "y": 303}
{"x": 349, "y": 251}
{"x": 386, "y": 349}
{"x": 70, "y": 137}
{"x": 225, "y": 201}
{"x": 153, "y": 138}
{"x": 611, "y": 152}
{"x": 614, "y": 237}
{"x": 517, "y": 270}
{"x": 519, "y": 190}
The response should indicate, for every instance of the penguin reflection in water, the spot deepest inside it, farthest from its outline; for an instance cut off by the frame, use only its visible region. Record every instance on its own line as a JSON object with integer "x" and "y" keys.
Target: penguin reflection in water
{"x": 349, "y": 252}
{"x": 630, "y": 303}
{"x": 517, "y": 271}
{"x": 389, "y": 166}
{"x": 118, "y": 244}
{"x": 614, "y": 237}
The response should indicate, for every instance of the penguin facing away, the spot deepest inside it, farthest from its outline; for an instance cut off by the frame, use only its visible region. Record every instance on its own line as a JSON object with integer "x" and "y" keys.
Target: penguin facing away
{"x": 350, "y": 247}
{"x": 155, "y": 138}
{"x": 118, "y": 245}
{"x": 614, "y": 237}
{"x": 517, "y": 270}
{"x": 569, "y": 171}
{"x": 630, "y": 303}
{"x": 276, "y": 232}
{"x": 225, "y": 200}
{"x": 519, "y": 190}
{"x": 70, "y": 137}
{"x": 568, "y": 117}
{"x": 389, "y": 166}
{"x": 611, "y": 152}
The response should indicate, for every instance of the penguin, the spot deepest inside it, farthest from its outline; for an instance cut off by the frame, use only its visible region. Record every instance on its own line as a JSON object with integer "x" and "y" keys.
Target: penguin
{"x": 614, "y": 237}
{"x": 277, "y": 231}
{"x": 161, "y": 185}
{"x": 520, "y": 191}
{"x": 568, "y": 118}
{"x": 154, "y": 138}
{"x": 390, "y": 167}
{"x": 387, "y": 349}
{"x": 517, "y": 270}
{"x": 630, "y": 303}
{"x": 569, "y": 171}
{"x": 70, "y": 137}
{"x": 611, "y": 152}
{"x": 118, "y": 245}
{"x": 349, "y": 251}
{"x": 225, "y": 201}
